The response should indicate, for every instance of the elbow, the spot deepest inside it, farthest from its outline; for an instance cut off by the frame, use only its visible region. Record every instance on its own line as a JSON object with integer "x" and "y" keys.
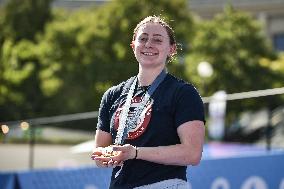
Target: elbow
{"x": 194, "y": 159}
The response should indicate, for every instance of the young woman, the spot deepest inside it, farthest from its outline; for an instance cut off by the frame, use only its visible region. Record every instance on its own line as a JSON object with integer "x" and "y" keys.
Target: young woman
{"x": 150, "y": 127}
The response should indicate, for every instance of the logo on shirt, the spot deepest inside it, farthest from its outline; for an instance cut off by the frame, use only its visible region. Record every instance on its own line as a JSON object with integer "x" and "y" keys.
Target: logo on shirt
{"x": 143, "y": 120}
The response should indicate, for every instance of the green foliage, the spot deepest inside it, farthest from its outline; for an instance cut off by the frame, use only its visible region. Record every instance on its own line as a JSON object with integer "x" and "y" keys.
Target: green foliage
{"x": 119, "y": 18}
{"x": 233, "y": 43}
{"x": 18, "y": 88}
{"x": 79, "y": 55}
{"x": 277, "y": 66}
{"x": 24, "y": 18}
{"x": 20, "y": 22}
{"x": 90, "y": 50}
{"x": 65, "y": 64}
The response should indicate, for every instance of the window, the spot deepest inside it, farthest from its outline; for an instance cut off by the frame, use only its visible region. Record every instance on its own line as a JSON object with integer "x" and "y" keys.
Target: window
{"x": 278, "y": 41}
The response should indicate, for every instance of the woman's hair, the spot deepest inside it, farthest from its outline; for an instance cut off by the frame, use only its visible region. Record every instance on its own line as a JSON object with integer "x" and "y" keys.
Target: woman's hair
{"x": 162, "y": 22}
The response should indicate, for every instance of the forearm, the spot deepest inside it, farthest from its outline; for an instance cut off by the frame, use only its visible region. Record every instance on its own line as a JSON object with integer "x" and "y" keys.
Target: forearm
{"x": 102, "y": 139}
{"x": 178, "y": 154}
{"x": 189, "y": 152}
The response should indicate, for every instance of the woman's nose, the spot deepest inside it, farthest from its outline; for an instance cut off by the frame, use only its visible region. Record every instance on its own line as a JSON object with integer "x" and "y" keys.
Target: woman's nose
{"x": 148, "y": 43}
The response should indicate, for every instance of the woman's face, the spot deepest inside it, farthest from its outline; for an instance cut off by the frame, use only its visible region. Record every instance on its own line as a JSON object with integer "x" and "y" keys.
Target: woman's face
{"x": 152, "y": 45}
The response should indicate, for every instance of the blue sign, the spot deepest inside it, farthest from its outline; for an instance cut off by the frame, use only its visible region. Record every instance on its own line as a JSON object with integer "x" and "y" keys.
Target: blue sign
{"x": 251, "y": 172}
{"x": 84, "y": 178}
{"x": 7, "y": 180}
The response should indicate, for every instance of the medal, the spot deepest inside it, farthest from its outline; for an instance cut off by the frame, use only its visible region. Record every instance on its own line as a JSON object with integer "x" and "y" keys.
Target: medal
{"x": 125, "y": 124}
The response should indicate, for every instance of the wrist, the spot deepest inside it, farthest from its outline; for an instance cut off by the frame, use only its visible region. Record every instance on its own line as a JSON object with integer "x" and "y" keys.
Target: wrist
{"x": 136, "y": 152}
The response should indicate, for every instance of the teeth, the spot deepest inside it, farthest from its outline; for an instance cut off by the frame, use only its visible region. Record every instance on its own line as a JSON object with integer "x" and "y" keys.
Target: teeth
{"x": 148, "y": 54}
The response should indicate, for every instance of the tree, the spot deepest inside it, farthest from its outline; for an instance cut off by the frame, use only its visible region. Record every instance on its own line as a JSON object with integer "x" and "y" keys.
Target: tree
{"x": 24, "y": 18}
{"x": 277, "y": 66}
{"x": 233, "y": 43}
{"x": 79, "y": 54}
{"x": 20, "y": 22}
{"x": 89, "y": 51}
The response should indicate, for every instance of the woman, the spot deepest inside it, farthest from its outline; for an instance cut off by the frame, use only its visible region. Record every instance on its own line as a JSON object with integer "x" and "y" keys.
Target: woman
{"x": 150, "y": 127}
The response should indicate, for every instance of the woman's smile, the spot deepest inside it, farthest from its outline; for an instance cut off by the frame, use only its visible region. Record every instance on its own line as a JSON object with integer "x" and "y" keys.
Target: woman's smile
{"x": 149, "y": 53}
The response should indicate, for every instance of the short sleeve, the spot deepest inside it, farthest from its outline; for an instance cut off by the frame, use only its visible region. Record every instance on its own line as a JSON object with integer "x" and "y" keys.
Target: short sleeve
{"x": 189, "y": 105}
{"x": 104, "y": 117}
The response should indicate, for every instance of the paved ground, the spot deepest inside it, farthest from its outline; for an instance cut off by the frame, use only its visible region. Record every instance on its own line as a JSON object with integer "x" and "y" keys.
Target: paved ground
{"x": 16, "y": 157}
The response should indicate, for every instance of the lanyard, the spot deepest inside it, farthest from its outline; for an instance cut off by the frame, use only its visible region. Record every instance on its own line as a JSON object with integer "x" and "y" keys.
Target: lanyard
{"x": 157, "y": 82}
{"x": 123, "y": 127}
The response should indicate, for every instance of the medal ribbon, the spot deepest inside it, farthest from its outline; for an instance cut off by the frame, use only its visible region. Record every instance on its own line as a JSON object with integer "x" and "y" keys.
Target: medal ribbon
{"x": 124, "y": 125}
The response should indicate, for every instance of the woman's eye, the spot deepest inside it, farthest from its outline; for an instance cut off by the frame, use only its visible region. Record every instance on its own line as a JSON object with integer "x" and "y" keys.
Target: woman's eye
{"x": 143, "y": 39}
{"x": 157, "y": 40}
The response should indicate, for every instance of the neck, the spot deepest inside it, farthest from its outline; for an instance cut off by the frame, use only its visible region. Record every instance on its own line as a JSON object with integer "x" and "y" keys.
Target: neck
{"x": 147, "y": 76}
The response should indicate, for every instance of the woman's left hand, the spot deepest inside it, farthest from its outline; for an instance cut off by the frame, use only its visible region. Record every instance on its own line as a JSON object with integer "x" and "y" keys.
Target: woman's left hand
{"x": 125, "y": 152}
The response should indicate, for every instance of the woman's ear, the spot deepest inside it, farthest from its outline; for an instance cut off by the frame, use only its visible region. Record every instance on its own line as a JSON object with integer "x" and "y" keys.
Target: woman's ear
{"x": 132, "y": 44}
{"x": 173, "y": 50}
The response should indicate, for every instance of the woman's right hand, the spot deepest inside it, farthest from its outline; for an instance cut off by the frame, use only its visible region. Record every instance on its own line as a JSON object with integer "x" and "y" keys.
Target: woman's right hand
{"x": 98, "y": 152}
{"x": 102, "y": 140}
{"x": 104, "y": 158}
